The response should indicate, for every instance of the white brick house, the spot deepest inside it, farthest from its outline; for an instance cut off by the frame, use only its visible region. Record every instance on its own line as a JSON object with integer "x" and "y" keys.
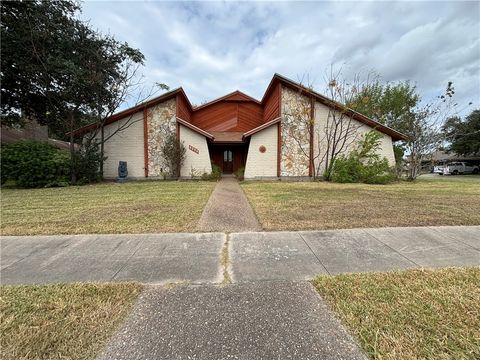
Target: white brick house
{"x": 234, "y": 131}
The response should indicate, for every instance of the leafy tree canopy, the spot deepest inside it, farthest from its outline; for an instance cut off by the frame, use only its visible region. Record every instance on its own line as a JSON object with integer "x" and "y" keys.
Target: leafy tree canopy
{"x": 464, "y": 136}
{"x": 387, "y": 103}
{"x": 55, "y": 68}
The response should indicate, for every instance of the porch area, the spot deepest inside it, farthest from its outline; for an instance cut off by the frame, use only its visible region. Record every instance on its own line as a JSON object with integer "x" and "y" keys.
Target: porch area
{"x": 229, "y": 156}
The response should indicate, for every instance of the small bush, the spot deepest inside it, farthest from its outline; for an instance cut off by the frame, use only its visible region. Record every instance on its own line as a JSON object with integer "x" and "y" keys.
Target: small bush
{"x": 216, "y": 172}
{"x": 239, "y": 173}
{"x": 214, "y": 175}
{"x": 173, "y": 151}
{"x": 363, "y": 164}
{"x": 34, "y": 164}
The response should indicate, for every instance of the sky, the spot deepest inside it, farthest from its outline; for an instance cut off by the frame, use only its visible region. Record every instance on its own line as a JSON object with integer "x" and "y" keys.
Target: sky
{"x": 213, "y": 48}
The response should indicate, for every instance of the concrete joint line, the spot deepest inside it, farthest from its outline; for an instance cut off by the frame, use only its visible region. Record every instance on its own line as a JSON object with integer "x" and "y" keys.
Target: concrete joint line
{"x": 313, "y": 252}
{"x": 128, "y": 259}
{"x": 452, "y": 238}
{"x": 395, "y": 251}
{"x": 225, "y": 262}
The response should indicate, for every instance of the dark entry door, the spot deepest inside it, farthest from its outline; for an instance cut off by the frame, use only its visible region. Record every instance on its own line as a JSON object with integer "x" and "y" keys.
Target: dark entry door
{"x": 227, "y": 161}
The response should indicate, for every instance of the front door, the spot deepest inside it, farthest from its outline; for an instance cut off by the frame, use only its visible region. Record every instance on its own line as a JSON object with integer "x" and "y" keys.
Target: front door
{"x": 227, "y": 161}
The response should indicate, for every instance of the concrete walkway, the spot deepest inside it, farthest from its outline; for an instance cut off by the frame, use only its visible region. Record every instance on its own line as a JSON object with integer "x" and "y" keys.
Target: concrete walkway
{"x": 195, "y": 258}
{"x": 228, "y": 209}
{"x": 272, "y": 320}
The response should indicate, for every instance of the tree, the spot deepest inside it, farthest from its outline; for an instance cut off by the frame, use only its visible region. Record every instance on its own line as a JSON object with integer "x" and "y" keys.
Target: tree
{"x": 397, "y": 105}
{"x": 385, "y": 103}
{"x": 31, "y": 32}
{"x": 463, "y": 136}
{"x": 59, "y": 71}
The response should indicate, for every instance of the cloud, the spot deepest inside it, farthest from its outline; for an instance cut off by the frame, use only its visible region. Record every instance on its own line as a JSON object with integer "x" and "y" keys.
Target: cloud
{"x": 212, "y": 48}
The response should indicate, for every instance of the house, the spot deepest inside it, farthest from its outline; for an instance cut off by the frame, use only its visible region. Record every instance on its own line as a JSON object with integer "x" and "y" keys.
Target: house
{"x": 233, "y": 131}
{"x": 31, "y": 130}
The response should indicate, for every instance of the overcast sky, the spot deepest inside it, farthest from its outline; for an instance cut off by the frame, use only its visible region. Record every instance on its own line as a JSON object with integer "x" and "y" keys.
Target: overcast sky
{"x": 212, "y": 48}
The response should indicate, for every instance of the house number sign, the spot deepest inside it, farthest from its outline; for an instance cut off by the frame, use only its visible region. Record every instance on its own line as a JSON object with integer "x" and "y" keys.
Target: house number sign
{"x": 194, "y": 149}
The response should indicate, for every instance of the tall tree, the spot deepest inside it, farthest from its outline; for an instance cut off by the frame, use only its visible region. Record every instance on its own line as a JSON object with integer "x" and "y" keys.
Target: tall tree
{"x": 58, "y": 70}
{"x": 397, "y": 105}
{"x": 464, "y": 136}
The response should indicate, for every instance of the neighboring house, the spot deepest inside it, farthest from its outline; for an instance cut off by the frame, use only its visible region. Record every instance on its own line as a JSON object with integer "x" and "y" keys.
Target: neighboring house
{"x": 233, "y": 131}
{"x": 30, "y": 131}
{"x": 442, "y": 158}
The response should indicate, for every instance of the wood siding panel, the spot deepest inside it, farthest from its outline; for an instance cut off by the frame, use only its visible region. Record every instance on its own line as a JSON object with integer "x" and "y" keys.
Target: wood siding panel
{"x": 229, "y": 116}
{"x": 272, "y": 104}
{"x": 183, "y": 111}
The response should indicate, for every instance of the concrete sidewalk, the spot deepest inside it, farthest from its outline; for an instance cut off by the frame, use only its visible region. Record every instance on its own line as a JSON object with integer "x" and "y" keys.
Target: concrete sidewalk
{"x": 195, "y": 258}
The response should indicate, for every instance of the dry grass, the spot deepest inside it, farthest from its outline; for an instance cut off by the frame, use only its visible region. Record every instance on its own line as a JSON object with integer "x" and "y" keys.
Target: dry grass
{"x": 133, "y": 207}
{"x": 322, "y": 205}
{"x": 61, "y": 321}
{"x": 416, "y": 314}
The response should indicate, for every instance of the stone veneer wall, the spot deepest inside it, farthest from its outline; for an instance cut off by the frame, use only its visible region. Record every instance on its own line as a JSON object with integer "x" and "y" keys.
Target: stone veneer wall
{"x": 161, "y": 121}
{"x": 295, "y": 134}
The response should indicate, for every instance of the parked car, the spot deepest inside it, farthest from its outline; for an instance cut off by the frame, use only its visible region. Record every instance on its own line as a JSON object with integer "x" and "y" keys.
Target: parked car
{"x": 455, "y": 168}
{"x": 438, "y": 169}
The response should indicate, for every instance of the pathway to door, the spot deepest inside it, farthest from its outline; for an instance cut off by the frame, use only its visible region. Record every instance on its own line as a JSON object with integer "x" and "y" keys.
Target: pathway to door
{"x": 228, "y": 210}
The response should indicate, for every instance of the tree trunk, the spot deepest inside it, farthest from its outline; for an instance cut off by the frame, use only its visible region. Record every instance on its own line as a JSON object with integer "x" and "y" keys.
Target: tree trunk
{"x": 73, "y": 175}
{"x": 102, "y": 151}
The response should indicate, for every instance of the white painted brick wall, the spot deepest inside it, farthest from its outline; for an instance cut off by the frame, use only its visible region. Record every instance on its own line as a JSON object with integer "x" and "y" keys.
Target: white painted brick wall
{"x": 262, "y": 164}
{"x": 321, "y": 115}
{"x": 126, "y": 145}
{"x": 199, "y": 162}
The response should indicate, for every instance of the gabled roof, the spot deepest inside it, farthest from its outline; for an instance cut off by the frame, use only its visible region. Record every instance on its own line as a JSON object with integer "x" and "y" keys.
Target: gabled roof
{"x": 396, "y": 135}
{"x": 130, "y": 111}
{"x": 233, "y": 96}
{"x": 240, "y": 96}
{"x": 195, "y": 128}
{"x": 261, "y": 127}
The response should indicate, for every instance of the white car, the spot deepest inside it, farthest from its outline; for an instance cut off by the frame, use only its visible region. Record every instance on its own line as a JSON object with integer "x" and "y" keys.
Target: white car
{"x": 455, "y": 168}
{"x": 438, "y": 169}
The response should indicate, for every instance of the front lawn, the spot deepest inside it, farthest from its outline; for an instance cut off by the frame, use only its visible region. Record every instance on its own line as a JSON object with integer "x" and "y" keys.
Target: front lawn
{"x": 415, "y": 314}
{"x": 323, "y": 205}
{"x": 65, "y": 321}
{"x": 107, "y": 208}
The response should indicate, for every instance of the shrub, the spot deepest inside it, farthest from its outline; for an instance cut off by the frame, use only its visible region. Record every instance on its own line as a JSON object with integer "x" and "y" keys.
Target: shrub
{"x": 173, "y": 151}
{"x": 216, "y": 172}
{"x": 239, "y": 173}
{"x": 214, "y": 175}
{"x": 86, "y": 163}
{"x": 34, "y": 164}
{"x": 363, "y": 164}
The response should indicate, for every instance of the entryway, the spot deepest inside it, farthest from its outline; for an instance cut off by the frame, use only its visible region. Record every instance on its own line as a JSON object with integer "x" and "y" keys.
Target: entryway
{"x": 228, "y": 157}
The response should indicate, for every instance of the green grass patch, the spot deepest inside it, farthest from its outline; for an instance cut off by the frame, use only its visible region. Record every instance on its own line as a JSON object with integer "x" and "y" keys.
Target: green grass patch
{"x": 414, "y": 314}
{"x": 322, "y": 205}
{"x": 107, "y": 208}
{"x": 62, "y": 321}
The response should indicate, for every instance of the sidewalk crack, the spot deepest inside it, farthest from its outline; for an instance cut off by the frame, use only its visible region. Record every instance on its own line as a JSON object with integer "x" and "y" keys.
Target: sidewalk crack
{"x": 225, "y": 262}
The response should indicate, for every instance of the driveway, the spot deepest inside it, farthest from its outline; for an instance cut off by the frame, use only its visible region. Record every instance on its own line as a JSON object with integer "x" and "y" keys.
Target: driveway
{"x": 195, "y": 258}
